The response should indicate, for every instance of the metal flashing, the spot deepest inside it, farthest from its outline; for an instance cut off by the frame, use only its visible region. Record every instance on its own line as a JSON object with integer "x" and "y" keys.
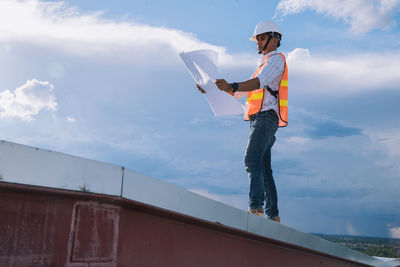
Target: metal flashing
{"x": 34, "y": 166}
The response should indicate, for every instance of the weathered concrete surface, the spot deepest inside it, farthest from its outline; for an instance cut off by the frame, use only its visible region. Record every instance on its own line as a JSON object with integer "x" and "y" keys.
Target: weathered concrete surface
{"x": 61, "y": 210}
{"x": 52, "y": 227}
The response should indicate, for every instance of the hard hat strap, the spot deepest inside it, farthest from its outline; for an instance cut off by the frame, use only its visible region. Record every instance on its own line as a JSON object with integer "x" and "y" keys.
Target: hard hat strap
{"x": 266, "y": 44}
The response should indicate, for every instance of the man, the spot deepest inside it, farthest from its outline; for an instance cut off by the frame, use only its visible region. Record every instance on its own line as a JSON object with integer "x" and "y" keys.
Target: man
{"x": 266, "y": 109}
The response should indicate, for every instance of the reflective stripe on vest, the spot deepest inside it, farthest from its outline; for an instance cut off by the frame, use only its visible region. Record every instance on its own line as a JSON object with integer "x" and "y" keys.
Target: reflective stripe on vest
{"x": 255, "y": 98}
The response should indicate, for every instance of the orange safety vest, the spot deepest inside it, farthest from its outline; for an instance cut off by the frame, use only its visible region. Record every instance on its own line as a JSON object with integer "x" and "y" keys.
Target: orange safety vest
{"x": 255, "y": 98}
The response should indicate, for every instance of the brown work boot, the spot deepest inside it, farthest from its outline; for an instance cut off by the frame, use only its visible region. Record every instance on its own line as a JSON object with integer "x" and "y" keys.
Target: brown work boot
{"x": 275, "y": 219}
{"x": 259, "y": 212}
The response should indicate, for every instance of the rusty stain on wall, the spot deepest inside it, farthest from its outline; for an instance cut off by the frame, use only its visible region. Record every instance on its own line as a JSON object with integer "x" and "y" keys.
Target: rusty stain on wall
{"x": 27, "y": 233}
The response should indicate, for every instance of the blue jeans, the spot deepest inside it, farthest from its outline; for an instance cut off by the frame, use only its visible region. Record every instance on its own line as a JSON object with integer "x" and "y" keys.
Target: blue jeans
{"x": 257, "y": 160}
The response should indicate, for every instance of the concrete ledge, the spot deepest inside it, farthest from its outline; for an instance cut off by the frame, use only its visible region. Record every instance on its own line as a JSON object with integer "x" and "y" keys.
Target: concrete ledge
{"x": 33, "y": 166}
{"x": 28, "y": 165}
{"x": 156, "y": 193}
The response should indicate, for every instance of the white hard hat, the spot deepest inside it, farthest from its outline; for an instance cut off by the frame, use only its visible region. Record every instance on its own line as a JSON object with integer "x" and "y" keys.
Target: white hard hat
{"x": 263, "y": 27}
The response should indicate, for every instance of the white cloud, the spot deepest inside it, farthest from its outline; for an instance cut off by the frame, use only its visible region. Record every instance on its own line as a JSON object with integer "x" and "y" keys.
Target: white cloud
{"x": 394, "y": 232}
{"x": 71, "y": 119}
{"x": 27, "y": 100}
{"x": 362, "y": 15}
{"x": 61, "y": 27}
{"x": 342, "y": 74}
{"x": 299, "y": 54}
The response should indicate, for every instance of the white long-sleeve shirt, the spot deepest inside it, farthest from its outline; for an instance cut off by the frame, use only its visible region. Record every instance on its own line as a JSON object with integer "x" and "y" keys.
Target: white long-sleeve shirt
{"x": 271, "y": 76}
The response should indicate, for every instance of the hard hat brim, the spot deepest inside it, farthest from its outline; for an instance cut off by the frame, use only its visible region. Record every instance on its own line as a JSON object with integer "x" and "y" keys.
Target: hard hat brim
{"x": 263, "y": 27}
{"x": 254, "y": 37}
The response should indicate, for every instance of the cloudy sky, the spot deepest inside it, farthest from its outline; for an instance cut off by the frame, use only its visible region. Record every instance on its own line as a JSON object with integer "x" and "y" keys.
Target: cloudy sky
{"x": 103, "y": 80}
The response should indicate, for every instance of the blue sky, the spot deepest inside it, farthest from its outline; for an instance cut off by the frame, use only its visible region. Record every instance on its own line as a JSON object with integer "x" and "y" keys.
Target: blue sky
{"x": 103, "y": 80}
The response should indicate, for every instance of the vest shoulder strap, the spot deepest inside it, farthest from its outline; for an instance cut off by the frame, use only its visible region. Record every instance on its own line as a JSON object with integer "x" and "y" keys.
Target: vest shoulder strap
{"x": 272, "y": 92}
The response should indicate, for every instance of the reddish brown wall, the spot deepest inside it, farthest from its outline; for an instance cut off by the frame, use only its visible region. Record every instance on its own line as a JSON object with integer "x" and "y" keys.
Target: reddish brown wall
{"x": 49, "y": 227}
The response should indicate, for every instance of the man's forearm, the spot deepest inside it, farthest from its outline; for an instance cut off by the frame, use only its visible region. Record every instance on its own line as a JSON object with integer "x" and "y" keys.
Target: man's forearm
{"x": 249, "y": 85}
{"x": 245, "y": 86}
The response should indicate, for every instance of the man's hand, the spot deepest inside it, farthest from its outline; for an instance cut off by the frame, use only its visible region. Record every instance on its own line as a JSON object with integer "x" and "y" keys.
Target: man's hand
{"x": 200, "y": 89}
{"x": 223, "y": 85}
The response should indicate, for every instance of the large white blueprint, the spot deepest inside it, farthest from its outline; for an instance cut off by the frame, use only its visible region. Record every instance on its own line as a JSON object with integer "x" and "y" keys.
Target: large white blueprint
{"x": 202, "y": 65}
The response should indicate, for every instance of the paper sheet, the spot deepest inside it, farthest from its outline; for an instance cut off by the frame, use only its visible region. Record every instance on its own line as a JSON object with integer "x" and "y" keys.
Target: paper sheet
{"x": 202, "y": 65}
